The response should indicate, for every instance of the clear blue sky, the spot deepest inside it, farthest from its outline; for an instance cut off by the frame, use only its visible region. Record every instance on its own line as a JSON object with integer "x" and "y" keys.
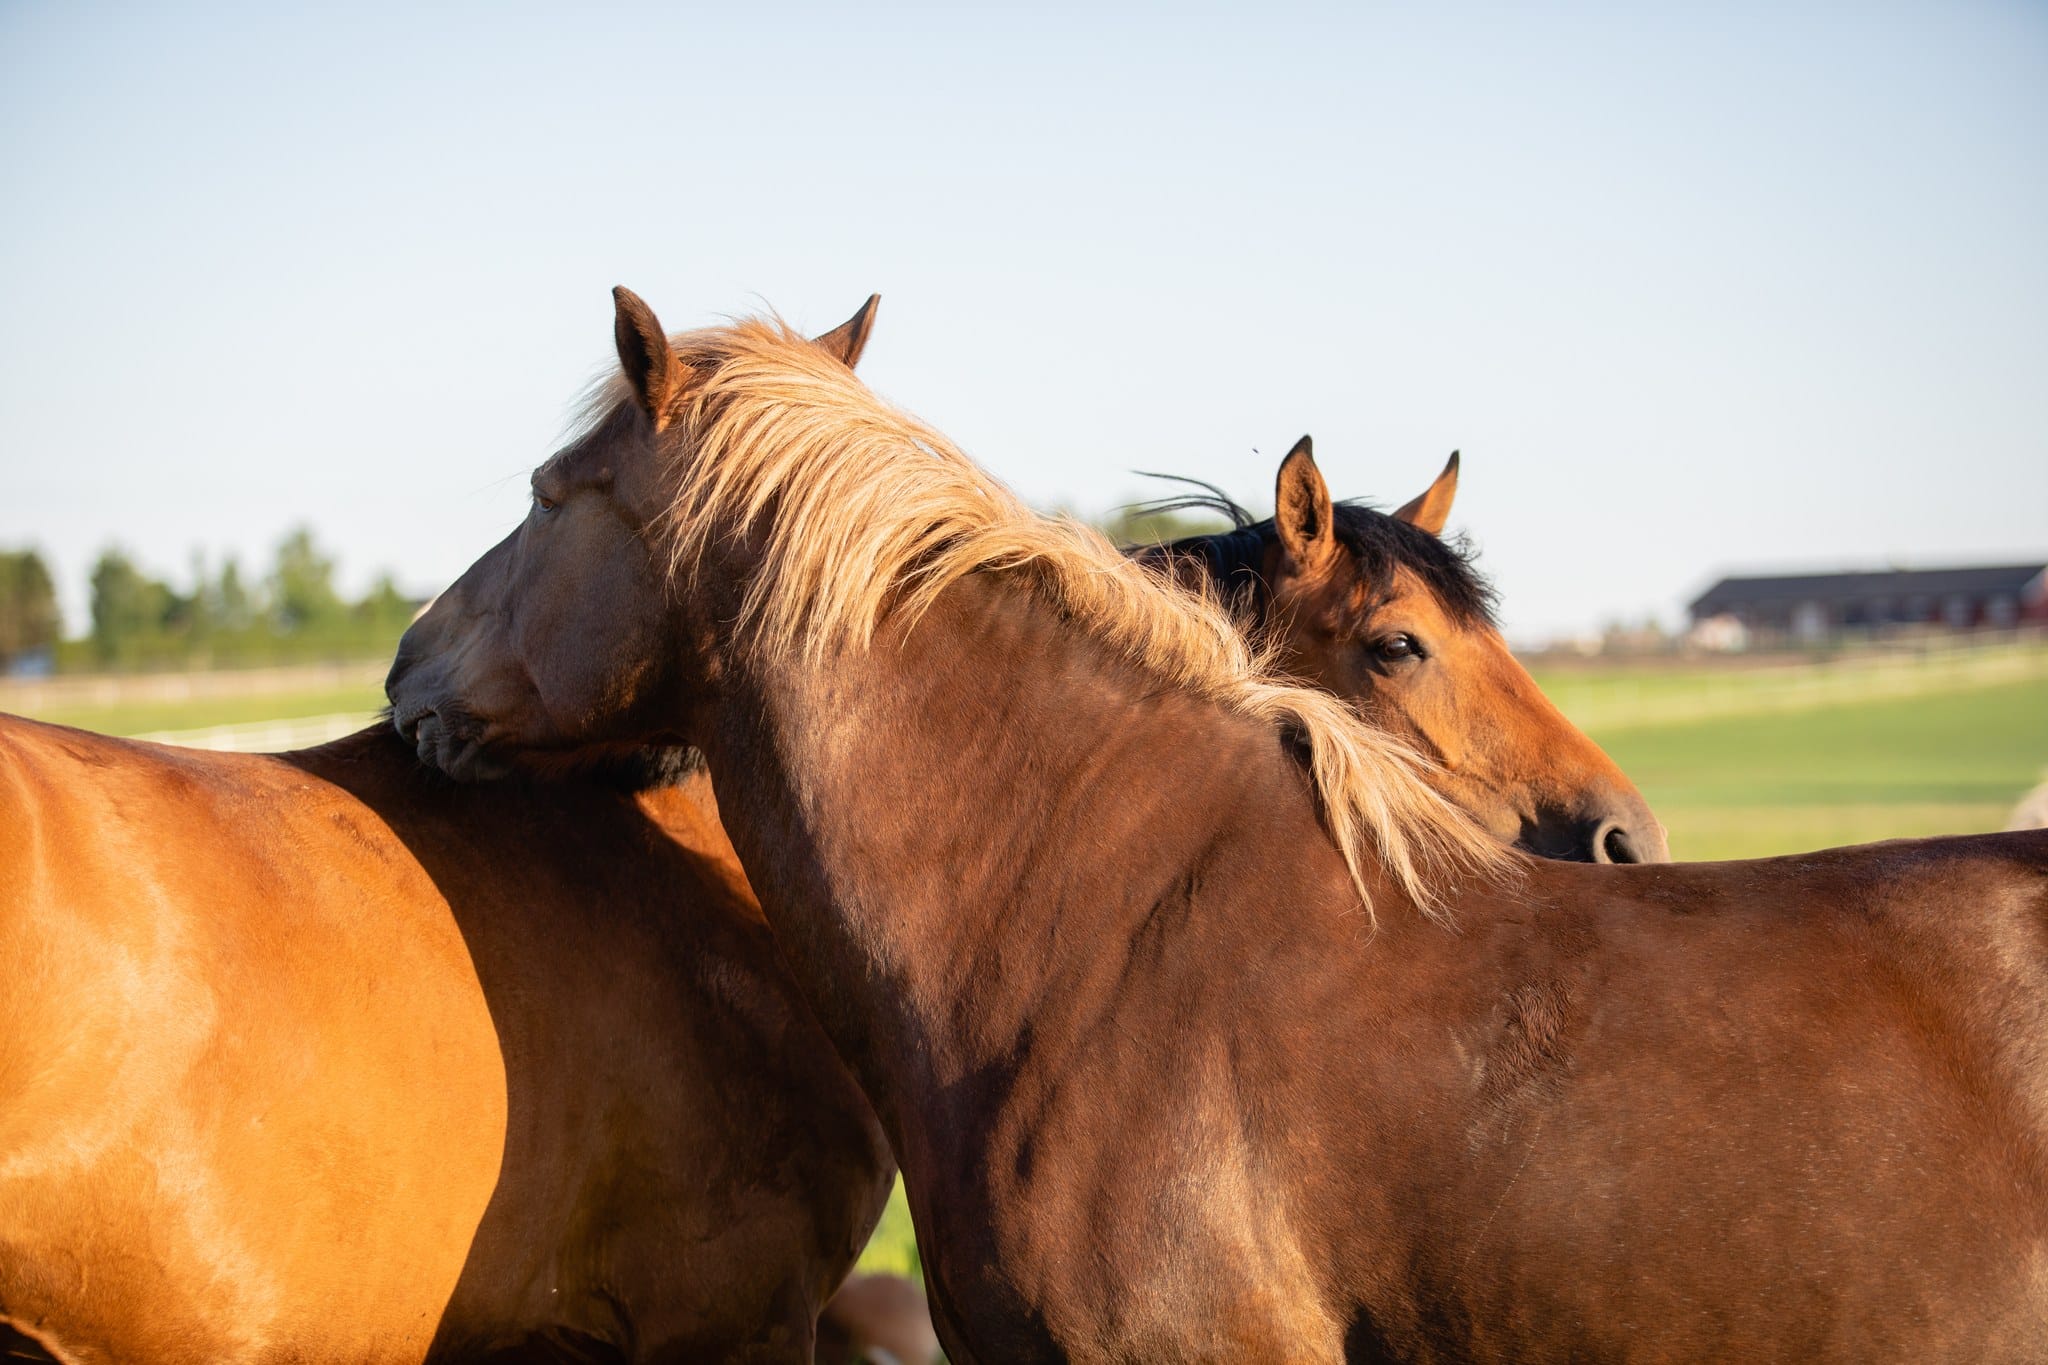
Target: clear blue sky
{"x": 1694, "y": 289}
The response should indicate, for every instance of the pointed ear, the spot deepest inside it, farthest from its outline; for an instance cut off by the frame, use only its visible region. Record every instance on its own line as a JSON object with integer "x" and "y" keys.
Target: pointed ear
{"x": 850, "y": 338}
{"x": 1302, "y": 512}
{"x": 1432, "y": 508}
{"x": 656, "y": 375}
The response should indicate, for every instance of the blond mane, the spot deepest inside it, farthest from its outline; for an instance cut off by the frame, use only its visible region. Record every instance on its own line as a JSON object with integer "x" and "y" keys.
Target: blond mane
{"x": 874, "y": 513}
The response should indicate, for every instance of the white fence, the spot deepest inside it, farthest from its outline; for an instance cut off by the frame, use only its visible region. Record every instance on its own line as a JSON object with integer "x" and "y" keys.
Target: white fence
{"x": 266, "y": 736}
{"x": 33, "y": 696}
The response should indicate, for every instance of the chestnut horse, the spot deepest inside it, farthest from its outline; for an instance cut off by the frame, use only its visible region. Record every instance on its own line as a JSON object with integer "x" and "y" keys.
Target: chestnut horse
{"x": 1203, "y": 1028}
{"x": 319, "y": 1056}
{"x": 322, "y": 1057}
{"x": 1377, "y": 607}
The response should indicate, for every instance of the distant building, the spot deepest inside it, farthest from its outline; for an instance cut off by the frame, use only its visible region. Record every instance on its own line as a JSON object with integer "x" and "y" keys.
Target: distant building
{"x": 1815, "y": 606}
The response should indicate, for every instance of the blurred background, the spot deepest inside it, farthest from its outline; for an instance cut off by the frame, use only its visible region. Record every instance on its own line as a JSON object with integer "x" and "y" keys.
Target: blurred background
{"x": 1738, "y": 314}
{"x": 296, "y": 296}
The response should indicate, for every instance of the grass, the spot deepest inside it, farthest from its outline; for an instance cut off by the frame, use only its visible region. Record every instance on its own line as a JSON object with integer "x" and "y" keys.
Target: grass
{"x": 1606, "y": 696}
{"x": 1749, "y": 786}
{"x": 893, "y": 1248}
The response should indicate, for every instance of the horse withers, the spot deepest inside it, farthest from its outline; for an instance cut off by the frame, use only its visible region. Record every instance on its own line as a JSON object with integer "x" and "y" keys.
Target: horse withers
{"x": 1379, "y": 608}
{"x": 1203, "y": 1028}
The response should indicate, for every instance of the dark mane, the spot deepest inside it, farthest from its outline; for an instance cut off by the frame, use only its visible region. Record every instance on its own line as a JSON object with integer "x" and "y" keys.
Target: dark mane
{"x": 1381, "y": 543}
{"x": 1230, "y": 558}
{"x": 1377, "y": 541}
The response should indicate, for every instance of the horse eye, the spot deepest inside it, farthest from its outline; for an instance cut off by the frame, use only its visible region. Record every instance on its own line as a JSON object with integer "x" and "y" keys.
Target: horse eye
{"x": 1394, "y": 648}
{"x": 544, "y": 505}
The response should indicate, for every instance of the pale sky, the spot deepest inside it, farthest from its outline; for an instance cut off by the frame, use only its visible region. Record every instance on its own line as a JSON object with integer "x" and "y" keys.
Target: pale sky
{"x": 1726, "y": 287}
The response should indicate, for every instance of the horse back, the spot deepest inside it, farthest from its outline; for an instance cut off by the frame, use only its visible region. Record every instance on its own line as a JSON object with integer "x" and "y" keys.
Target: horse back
{"x": 499, "y": 1067}
{"x": 248, "y": 1072}
{"x": 1794, "y": 1108}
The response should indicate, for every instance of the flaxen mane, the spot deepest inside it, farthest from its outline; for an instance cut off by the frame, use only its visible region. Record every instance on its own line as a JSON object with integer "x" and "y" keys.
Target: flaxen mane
{"x": 875, "y": 512}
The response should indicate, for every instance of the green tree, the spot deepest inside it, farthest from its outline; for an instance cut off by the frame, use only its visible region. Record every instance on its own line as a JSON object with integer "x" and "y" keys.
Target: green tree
{"x": 220, "y": 603}
{"x": 217, "y": 621}
{"x": 28, "y": 605}
{"x": 385, "y": 605}
{"x": 1144, "y": 525}
{"x": 231, "y": 604}
{"x": 129, "y": 608}
{"x": 302, "y": 585}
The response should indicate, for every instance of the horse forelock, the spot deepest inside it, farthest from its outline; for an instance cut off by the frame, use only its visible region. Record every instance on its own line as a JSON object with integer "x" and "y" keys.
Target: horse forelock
{"x": 861, "y": 511}
{"x": 1380, "y": 543}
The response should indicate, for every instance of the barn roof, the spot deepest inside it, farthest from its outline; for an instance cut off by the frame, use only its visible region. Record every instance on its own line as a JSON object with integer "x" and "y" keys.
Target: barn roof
{"x": 1984, "y": 581}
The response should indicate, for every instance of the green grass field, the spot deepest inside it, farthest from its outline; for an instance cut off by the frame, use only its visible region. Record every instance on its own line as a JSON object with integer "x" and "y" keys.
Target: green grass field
{"x": 1737, "y": 762}
{"x": 1747, "y": 786}
{"x": 143, "y": 717}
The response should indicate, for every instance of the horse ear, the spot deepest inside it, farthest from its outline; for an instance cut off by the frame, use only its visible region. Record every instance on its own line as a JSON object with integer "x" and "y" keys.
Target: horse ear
{"x": 1302, "y": 511}
{"x": 655, "y": 373}
{"x": 846, "y": 341}
{"x": 1432, "y": 508}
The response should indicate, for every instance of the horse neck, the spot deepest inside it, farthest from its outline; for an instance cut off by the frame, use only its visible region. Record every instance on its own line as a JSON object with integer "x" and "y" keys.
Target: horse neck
{"x": 964, "y": 837}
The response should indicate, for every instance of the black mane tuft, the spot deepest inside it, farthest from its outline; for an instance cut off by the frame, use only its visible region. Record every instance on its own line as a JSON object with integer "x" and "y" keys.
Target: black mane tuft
{"x": 1378, "y": 544}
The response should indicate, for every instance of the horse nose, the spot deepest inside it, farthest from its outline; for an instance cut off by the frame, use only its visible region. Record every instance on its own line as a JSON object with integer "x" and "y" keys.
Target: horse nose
{"x": 410, "y": 690}
{"x": 1611, "y": 844}
{"x": 1640, "y": 841}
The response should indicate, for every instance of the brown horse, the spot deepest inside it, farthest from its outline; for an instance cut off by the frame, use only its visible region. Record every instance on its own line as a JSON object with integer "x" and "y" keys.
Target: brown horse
{"x": 460, "y": 842}
{"x": 321, "y": 1057}
{"x": 1093, "y": 940}
{"x": 1378, "y": 608}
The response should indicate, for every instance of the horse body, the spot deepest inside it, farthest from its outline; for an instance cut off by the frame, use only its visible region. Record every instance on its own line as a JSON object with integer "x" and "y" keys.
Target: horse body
{"x": 319, "y": 1057}
{"x": 1161, "y": 1093}
{"x": 1794, "y": 1109}
{"x": 1202, "y": 1028}
{"x": 201, "y": 1026}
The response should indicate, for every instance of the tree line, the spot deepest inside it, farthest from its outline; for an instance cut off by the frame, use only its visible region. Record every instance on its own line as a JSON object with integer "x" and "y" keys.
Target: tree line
{"x": 293, "y": 613}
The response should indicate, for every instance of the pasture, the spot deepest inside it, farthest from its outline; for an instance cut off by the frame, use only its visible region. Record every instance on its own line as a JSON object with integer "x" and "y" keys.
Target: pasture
{"x": 1747, "y": 763}
{"x": 1752, "y": 786}
{"x": 1738, "y": 761}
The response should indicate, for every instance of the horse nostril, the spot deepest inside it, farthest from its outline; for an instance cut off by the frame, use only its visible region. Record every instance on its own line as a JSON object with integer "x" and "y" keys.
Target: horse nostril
{"x": 1615, "y": 847}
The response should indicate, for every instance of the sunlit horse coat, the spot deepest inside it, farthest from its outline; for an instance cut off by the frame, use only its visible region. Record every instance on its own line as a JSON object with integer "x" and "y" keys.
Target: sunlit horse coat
{"x": 322, "y": 1057}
